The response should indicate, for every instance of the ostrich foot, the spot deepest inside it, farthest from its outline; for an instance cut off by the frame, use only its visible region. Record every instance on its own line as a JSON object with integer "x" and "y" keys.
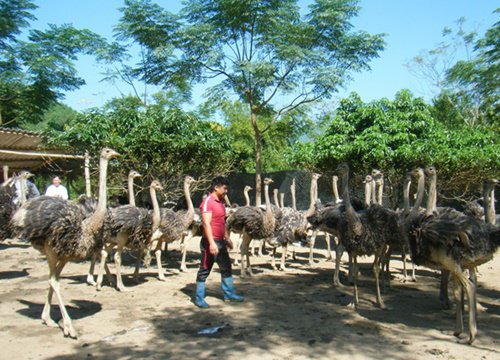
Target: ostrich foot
{"x": 49, "y": 322}
{"x": 123, "y": 288}
{"x": 68, "y": 329}
{"x": 338, "y": 284}
{"x": 161, "y": 277}
{"x": 383, "y": 307}
{"x": 90, "y": 280}
{"x": 284, "y": 269}
{"x": 413, "y": 279}
{"x": 329, "y": 257}
{"x": 352, "y": 305}
{"x": 274, "y": 268}
{"x": 183, "y": 269}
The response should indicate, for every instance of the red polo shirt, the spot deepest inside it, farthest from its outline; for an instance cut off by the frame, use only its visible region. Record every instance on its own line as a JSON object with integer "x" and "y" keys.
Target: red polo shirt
{"x": 211, "y": 204}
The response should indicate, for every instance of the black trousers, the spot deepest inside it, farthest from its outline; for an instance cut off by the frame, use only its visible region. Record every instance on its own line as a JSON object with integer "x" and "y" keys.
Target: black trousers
{"x": 207, "y": 260}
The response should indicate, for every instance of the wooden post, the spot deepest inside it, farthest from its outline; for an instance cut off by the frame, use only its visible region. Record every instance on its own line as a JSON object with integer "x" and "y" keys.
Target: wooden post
{"x": 87, "y": 174}
{"x": 5, "y": 173}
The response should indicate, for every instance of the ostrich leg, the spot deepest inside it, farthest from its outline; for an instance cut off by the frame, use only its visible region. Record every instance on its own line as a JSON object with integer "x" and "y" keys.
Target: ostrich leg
{"x": 55, "y": 266}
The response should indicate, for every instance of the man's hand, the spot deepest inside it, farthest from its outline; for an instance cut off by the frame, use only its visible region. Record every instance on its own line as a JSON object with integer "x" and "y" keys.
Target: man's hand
{"x": 214, "y": 250}
{"x": 229, "y": 244}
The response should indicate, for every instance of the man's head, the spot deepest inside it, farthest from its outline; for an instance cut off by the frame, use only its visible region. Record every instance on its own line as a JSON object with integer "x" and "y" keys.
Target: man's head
{"x": 219, "y": 186}
{"x": 56, "y": 181}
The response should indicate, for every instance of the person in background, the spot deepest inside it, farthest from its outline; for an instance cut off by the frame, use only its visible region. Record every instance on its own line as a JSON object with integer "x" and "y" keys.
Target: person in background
{"x": 56, "y": 189}
{"x": 30, "y": 189}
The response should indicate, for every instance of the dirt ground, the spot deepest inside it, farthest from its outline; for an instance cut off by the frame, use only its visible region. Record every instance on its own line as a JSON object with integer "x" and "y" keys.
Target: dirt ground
{"x": 287, "y": 315}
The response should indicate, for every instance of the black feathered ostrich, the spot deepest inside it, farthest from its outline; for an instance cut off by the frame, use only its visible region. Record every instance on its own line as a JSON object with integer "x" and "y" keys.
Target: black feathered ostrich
{"x": 454, "y": 242}
{"x": 60, "y": 231}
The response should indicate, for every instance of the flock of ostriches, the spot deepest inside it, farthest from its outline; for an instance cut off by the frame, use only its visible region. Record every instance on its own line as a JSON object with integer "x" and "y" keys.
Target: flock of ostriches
{"x": 440, "y": 238}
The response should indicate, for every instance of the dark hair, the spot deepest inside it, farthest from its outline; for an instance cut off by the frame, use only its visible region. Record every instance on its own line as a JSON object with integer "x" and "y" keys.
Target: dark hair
{"x": 218, "y": 181}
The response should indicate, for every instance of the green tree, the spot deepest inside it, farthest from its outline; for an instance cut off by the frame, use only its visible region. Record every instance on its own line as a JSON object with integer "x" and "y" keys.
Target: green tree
{"x": 399, "y": 135}
{"x": 478, "y": 79}
{"x": 165, "y": 144}
{"x": 277, "y": 143}
{"x": 264, "y": 52}
{"x": 35, "y": 73}
{"x": 462, "y": 72}
{"x": 55, "y": 117}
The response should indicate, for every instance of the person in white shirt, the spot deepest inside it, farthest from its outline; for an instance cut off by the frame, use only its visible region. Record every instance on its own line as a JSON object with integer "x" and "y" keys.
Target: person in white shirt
{"x": 56, "y": 189}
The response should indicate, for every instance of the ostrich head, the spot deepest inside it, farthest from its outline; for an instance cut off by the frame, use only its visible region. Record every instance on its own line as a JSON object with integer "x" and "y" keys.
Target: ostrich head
{"x": 430, "y": 170}
{"x": 189, "y": 180}
{"x": 335, "y": 178}
{"x": 248, "y": 188}
{"x": 268, "y": 181}
{"x": 156, "y": 185}
{"x": 316, "y": 176}
{"x": 491, "y": 183}
{"x": 24, "y": 175}
{"x": 342, "y": 169}
{"x": 368, "y": 179}
{"x": 417, "y": 173}
{"x": 108, "y": 154}
{"x": 134, "y": 174}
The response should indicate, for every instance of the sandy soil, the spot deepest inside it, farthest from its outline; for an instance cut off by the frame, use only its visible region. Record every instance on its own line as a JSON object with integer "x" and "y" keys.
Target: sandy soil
{"x": 292, "y": 315}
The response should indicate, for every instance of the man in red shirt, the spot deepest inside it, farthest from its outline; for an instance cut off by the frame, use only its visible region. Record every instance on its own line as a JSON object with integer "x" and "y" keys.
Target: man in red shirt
{"x": 214, "y": 243}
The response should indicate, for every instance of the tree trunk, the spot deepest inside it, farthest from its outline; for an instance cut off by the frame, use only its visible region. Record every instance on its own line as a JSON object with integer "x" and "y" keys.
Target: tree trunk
{"x": 258, "y": 160}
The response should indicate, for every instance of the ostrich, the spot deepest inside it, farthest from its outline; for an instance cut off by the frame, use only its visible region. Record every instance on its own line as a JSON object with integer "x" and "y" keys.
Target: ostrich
{"x": 400, "y": 245}
{"x": 130, "y": 227}
{"x": 169, "y": 226}
{"x": 310, "y": 211}
{"x": 60, "y": 231}
{"x": 327, "y": 218}
{"x": 237, "y": 246}
{"x": 365, "y": 233}
{"x": 447, "y": 240}
{"x": 253, "y": 223}
{"x": 7, "y": 206}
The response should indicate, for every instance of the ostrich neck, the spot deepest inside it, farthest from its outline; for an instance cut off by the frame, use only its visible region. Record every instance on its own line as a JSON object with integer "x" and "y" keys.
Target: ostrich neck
{"x": 131, "y": 195}
{"x": 380, "y": 192}
{"x": 406, "y": 195}
{"x": 368, "y": 193}
{"x": 22, "y": 190}
{"x": 374, "y": 192}
{"x": 247, "y": 198}
{"x": 313, "y": 197}
{"x": 292, "y": 191}
{"x": 275, "y": 196}
{"x": 282, "y": 201}
{"x": 431, "y": 201}
{"x": 269, "y": 211}
{"x": 420, "y": 194}
{"x": 187, "y": 195}
{"x": 489, "y": 205}
{"x": 5, "y": 173}
{"x": 345, "y": 191}
{"x": 156, "y": 208}
{"x": 335, "y": 190}
{"x": 97, "y": 219}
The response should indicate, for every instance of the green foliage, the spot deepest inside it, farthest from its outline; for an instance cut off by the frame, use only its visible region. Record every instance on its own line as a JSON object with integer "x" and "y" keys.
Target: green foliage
{"x": 277, "y": 142}
{"x": 477, "y": 80}
{"x": 398, "y": 135}
{"x": 56, "y": 117}
{"x": 159, "y": 144}
{"x": 35, "y": 73}
{"x": 266, "y": 53}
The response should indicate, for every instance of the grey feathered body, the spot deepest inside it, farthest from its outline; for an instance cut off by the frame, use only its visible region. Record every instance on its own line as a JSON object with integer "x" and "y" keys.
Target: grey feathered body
{"x": 136, "y": 222}
{"x": 292, "y": 227}
{"x": 172, "y": 224}
{"x": 7, "y": 209}
{"x": 368, "y": 231}
{"x": 59, "y": 224}
{"x": 466, "y": 239}
{"x": 253, "y": 221}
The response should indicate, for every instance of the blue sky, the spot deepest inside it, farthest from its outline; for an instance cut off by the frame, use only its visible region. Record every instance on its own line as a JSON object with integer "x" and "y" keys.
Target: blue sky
{"x": 411, "y": 26}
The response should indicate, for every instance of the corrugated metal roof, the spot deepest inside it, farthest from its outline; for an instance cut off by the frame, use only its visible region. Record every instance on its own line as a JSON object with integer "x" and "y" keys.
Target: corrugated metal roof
{"x": 26, "y": 148}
